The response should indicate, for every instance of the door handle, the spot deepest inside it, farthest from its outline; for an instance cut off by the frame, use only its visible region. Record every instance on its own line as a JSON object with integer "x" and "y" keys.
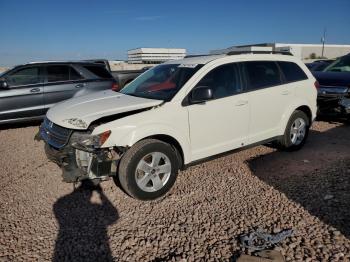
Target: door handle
{"x": 241, "y": 103}
{"x": 285, "y": 92}
{"x": 35, "y": 90}
{"x": 80, "y": 85}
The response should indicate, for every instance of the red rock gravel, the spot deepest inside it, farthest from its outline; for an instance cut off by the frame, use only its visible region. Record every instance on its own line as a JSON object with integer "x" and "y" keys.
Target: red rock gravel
{"x": 210, "y": 205}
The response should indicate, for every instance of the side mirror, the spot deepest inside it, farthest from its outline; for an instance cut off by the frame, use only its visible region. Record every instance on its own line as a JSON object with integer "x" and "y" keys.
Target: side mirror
{"x": 201, "y": 94}
{"x": 3, "y": 83}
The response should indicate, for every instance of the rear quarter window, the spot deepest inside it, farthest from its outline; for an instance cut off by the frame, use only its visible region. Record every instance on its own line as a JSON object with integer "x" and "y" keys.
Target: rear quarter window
{"x": 292, "y": 72}
{"x": 99, "y": 71}
{"x": 74, "y": 75}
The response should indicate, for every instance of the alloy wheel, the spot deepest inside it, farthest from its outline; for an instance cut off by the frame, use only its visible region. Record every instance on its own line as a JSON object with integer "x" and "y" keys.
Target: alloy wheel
{"x": 153, "y": 172}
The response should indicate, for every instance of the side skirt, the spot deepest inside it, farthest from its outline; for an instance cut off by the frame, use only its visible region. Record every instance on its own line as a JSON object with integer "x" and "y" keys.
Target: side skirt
{"x": 200, "y": 161}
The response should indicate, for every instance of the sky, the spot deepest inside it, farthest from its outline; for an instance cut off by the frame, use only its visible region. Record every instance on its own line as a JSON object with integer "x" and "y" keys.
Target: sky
{"x": 33, "y": 30}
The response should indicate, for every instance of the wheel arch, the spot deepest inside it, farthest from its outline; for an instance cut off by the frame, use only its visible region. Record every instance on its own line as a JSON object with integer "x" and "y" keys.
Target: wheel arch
{"x": 173, "y": 142}
{"x": 291, "y": 109}
{"x": 307, "y": 111}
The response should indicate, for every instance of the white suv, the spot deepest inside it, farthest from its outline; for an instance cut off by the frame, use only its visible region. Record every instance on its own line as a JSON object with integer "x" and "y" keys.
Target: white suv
{"x": 178, "y": 113}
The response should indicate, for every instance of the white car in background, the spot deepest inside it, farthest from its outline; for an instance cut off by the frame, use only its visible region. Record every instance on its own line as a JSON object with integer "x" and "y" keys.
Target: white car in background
{"x": 178, "y": 113}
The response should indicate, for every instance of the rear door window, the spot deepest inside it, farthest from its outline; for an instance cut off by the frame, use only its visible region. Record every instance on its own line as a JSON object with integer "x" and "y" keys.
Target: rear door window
{"x": 98, "y": 71}
{"x": 57, "y": 73}
{"x": 25, "y": 76}
{"x": 262, "y": 74}
{"x": 292, "y": 72}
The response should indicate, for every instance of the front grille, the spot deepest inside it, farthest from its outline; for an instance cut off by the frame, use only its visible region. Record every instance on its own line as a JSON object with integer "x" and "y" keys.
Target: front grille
{"x": 55, "y": 135}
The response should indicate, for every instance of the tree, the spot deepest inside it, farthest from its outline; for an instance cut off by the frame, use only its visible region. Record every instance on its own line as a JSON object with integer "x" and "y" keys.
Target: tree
{"x": 312, "y": 56}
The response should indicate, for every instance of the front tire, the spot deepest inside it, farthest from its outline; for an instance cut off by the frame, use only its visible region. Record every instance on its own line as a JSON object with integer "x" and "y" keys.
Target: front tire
{"x": 148, "y": 169}
{"x": 296, "y": 132}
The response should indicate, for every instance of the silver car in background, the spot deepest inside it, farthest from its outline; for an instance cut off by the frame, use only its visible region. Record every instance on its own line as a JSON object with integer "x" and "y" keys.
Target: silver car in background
{"x": 28, "y": 91}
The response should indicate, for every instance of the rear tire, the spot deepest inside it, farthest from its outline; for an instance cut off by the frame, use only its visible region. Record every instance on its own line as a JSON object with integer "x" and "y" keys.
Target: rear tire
{"x": 296, "y": 132}
{"x": 148, "y": 169}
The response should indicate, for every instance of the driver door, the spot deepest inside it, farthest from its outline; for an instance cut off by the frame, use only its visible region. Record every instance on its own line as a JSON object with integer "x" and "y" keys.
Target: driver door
{"x": 24, "y": 96}
{"x": 220, "y": 124}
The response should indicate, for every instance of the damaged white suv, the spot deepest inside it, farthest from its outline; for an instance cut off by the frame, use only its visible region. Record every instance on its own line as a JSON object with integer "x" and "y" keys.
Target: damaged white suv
{"x": 178, "y": 113}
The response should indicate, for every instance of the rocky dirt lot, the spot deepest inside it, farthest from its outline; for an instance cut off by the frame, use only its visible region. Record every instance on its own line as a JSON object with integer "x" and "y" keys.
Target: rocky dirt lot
{"x": 211, "y": 204}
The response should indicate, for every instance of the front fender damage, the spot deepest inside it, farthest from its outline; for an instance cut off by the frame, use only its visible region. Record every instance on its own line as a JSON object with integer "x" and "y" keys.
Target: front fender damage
{"x": 78, "y": 163}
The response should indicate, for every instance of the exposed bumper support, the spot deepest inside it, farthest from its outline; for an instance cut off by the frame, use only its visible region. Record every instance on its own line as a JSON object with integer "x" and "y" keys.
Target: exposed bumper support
{"x": 79, "y": 165}
{"x": 79, "y": 162}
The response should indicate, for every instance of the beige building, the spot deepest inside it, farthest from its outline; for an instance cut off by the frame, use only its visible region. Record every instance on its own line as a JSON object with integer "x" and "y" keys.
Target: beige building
{"x": 2, "y": 69}
{"x": 303, "y": 51}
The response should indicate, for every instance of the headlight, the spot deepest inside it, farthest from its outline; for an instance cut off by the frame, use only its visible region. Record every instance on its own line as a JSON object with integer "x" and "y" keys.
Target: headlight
{"x": 95, "y": 141}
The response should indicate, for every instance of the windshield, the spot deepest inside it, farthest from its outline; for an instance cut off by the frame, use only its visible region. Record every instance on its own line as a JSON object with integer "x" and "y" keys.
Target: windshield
{"x": 161, "y": 82}
{"x": 340, "y": 65}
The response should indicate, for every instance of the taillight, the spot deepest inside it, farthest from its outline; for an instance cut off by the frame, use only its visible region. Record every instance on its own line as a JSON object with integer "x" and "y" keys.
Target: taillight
{"x": 317, "y": 84}
{"x": 115, "y": 87}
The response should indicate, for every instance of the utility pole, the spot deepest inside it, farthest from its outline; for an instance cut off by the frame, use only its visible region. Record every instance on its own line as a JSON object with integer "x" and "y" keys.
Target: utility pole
{"x": 323, "y": 39}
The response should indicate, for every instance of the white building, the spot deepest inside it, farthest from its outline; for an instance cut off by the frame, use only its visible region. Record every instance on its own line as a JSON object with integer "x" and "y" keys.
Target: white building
{"x": 155, "y": 55}
{"x": 302, "y": 51}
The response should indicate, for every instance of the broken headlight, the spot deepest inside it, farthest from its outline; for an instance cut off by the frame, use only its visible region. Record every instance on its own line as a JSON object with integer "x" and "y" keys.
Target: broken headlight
{"x": 90, "y": 142}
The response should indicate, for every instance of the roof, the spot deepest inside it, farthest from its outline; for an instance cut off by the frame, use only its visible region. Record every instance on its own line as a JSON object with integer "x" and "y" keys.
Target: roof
{"x": 289, "y": 44}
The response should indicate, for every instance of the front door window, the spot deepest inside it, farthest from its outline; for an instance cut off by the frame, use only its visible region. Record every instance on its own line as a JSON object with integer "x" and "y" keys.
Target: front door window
{"x": 25, "y": 76}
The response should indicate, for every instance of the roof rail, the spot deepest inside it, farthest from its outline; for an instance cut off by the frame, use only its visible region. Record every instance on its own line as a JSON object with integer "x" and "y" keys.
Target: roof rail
{"x": 46, "y": 61}
{"x": 189, "y": 56}
{"x": 259, "y": 52}
{"x": 62, "y": 61}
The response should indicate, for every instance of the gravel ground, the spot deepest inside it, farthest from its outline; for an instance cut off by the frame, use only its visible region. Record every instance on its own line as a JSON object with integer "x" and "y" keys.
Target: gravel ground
{"x": 201, "y": 218}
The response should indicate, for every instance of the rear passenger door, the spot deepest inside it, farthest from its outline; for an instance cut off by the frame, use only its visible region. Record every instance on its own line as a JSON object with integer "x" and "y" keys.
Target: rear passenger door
{"x": 61, "y": 83}
{"x": 268, "y": 98}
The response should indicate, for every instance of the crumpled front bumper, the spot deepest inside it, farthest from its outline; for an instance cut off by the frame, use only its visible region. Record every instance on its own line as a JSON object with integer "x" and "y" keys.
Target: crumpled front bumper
{"x": 96, "y": 165}
{"x": 345, "y": 104}
{"x": 76, "y": 162}
{"x": 333, "y": 100}
{"x": 65, "y": 159}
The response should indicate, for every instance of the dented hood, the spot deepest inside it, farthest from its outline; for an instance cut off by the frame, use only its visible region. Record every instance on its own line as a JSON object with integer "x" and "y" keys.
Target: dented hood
{"x": 335, "y": 79}
{"x": 78, "y": 113}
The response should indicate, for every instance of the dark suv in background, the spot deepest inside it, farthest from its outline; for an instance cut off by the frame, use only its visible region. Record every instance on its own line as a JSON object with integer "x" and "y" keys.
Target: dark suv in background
{"x": 334, "y": 88}
{"x": 28, "y": 91}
